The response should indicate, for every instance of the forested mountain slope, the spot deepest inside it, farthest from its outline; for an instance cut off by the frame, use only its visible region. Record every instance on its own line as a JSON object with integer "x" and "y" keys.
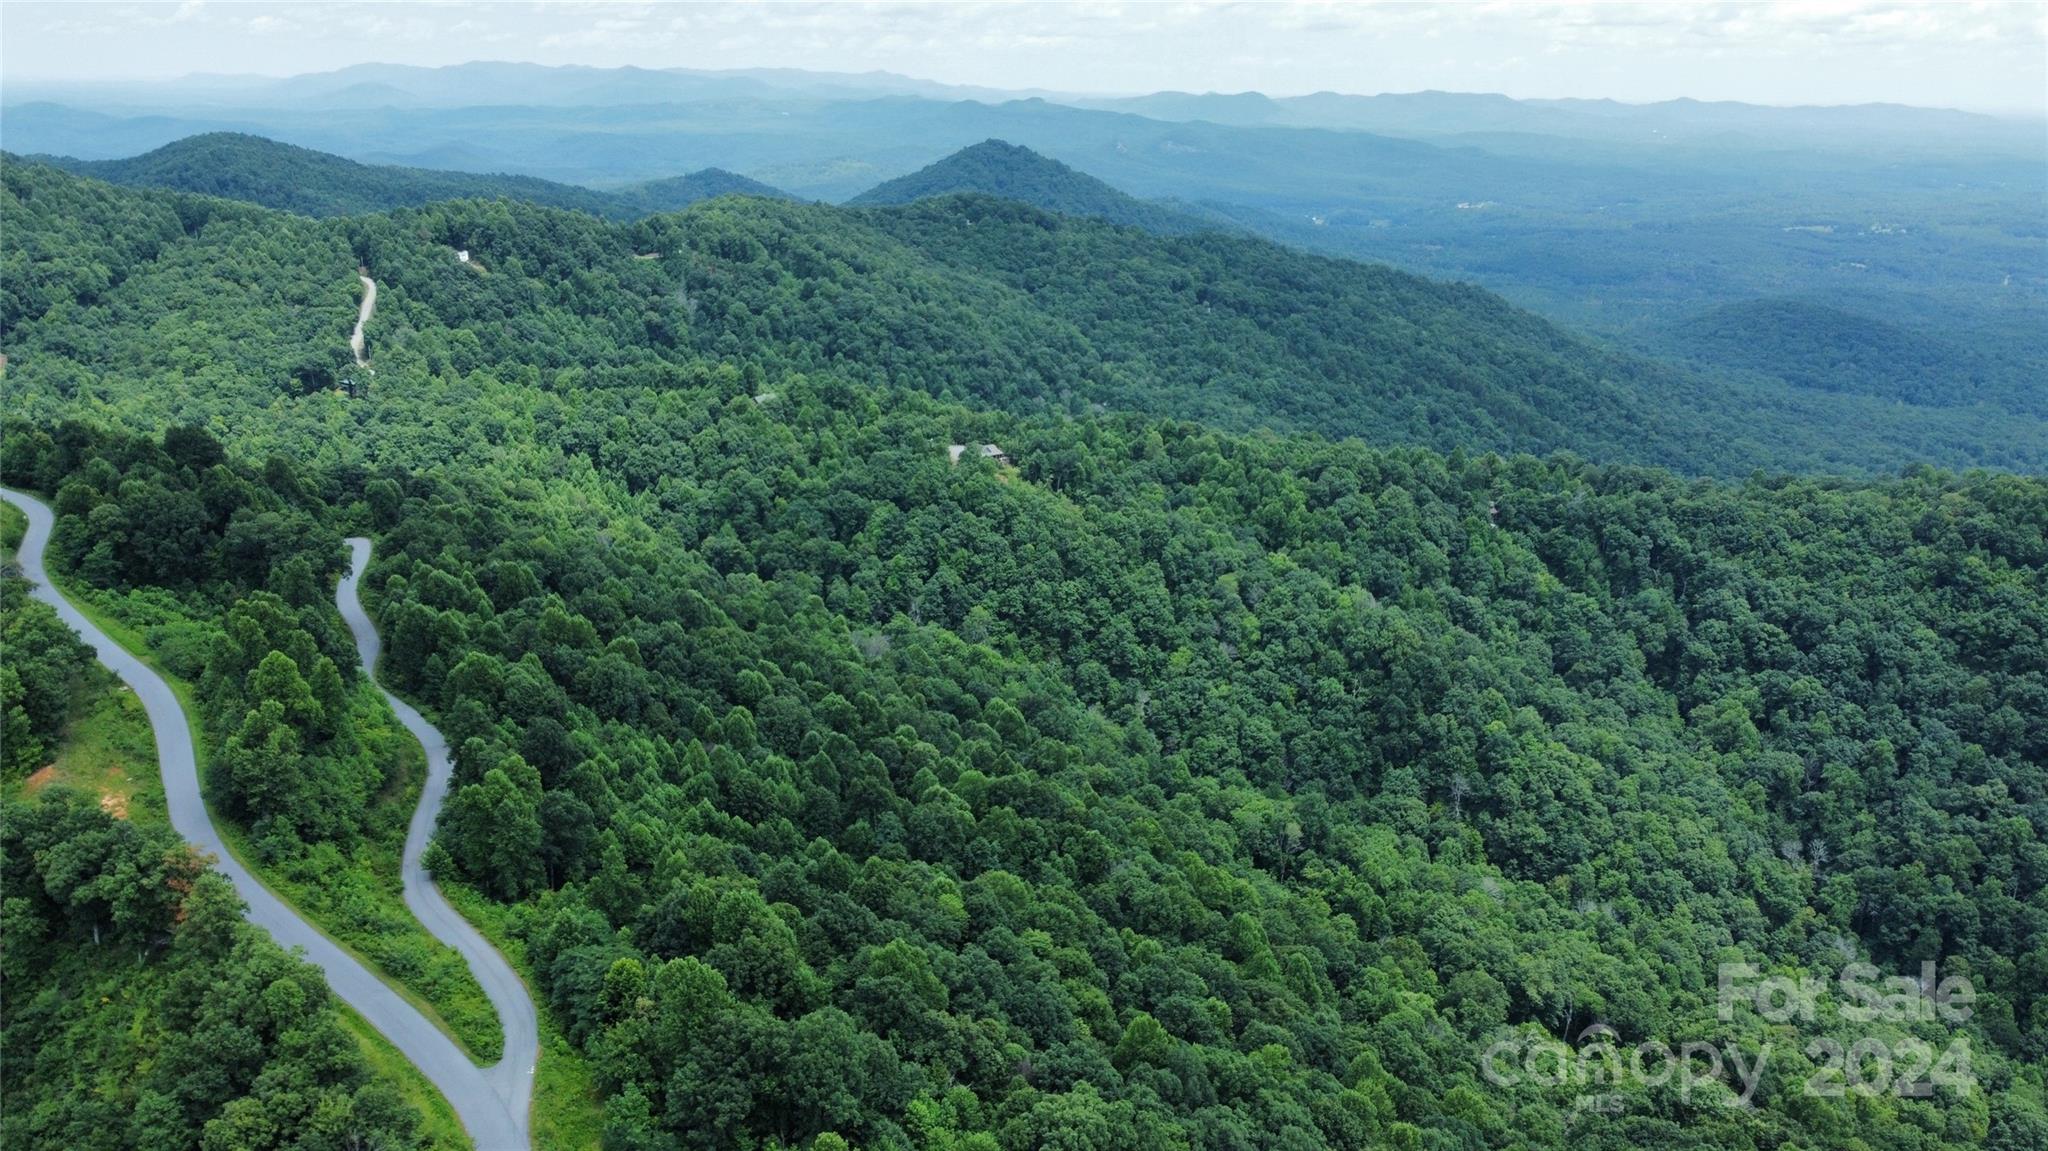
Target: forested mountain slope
{"x": 1833, "y": 252}
{"x": 1829, "y": 349}
{"x": 969, "y": 298}
{"x": 1168, "y": 787}
{"x": 1627, "y": 221}
{"x": 1009, "y": 172}
{"x": 675, "y": 192}
{"x": 259, "y": 171}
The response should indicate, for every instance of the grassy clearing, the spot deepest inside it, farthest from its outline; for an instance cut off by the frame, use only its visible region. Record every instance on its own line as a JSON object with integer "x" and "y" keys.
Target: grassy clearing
{"x": 568, "y": 1114}
{"x": 108, "y": 752}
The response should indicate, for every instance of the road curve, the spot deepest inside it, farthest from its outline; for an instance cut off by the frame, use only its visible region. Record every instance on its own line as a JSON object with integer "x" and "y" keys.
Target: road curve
{"x": 512, "y": 1076}
{"x": 491, "y": 1123}
{"x": 355, "y": 339}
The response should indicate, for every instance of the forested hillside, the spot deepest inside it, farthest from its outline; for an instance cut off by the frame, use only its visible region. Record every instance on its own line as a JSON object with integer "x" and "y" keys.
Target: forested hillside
{"x": 142, "y": 1012}
{"x": 238, "y": 166}
{"x": 1829, "y": 349}
{"x": 1008, "y": 172}
{"x": 1167, "y": 786}
{"x": 674, "y": 192}
{"x": 1625, "y": 220}
{"x": 1797, "y": 276}
{"x": 967, "y": 298}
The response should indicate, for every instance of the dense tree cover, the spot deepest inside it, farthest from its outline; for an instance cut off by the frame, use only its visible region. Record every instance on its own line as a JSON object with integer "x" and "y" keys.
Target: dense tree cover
{"x": 142, "y": 1012}
{"x": 1173, "y": 787}
{"x": 238, "y": 166}
{"x": 1571, "y": 758}
{"x": 1950, "y": 347}
{"x": 675, "y": 192}
{"x": 70, "y": 246}
{"x": 171, "y": 512}
{"x": 1628, "y": 221}
{"x": 275, "y": 672}
{"x": 1009, "y": 172}
{"x": 1816, "y": 346}
{"x": 972, "y": 299}
{"x": 44, "y": 662}
{"x": 933, "y": 800}
{"x": 101, "y": 260}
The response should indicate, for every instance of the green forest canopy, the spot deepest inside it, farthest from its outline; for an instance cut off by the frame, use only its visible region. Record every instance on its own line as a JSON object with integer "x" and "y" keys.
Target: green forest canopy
{"x": 967, "y": 298}
{"x": 1009, "y": 172}
{"x": 1626, "y": 221}
{"x": 238, "y": 166}
{"x": 1174, "y": 786}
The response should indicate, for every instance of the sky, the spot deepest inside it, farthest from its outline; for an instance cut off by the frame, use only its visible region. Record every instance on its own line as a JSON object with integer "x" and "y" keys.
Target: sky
{"x": 1979, "y": 56}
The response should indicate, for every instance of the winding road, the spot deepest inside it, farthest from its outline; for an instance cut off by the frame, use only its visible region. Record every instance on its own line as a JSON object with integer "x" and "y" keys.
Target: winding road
{"x": 511, "y": 1078}
{"x": 355, "y": 339}
{"x": 492, "y": 1104}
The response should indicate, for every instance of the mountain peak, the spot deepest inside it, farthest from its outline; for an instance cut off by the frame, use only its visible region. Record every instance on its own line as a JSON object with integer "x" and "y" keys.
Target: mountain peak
{"x": 1013, "y": 172}
{"x": 675, "y": 192}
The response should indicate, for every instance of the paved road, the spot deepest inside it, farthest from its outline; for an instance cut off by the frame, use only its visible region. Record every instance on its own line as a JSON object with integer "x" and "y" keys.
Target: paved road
{"x": 512, "y": 1076}
{"x": 355, "y": 340}
{"x": 492, "y": 1124}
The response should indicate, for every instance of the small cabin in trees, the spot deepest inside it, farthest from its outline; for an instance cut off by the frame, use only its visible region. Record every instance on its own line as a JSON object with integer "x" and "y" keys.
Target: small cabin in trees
{"x": 985, "y": 451}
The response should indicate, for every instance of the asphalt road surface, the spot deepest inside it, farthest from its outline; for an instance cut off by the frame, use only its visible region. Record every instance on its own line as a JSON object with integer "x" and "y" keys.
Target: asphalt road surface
{"x": 493, "y": 1121}
{"x": 512, "y": 1076}
{"x": 363, "y": 314}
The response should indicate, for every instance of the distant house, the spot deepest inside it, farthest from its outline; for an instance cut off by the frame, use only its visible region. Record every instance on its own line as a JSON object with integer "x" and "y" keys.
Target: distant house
{"x": 462, "y": 255}
{"x": 985, "y": 451}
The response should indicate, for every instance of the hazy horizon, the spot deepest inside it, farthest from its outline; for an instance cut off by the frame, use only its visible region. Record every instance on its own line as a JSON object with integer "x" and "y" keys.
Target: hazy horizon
{"x": 227, "y": 78}
{"x": 1975, "y": 57}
